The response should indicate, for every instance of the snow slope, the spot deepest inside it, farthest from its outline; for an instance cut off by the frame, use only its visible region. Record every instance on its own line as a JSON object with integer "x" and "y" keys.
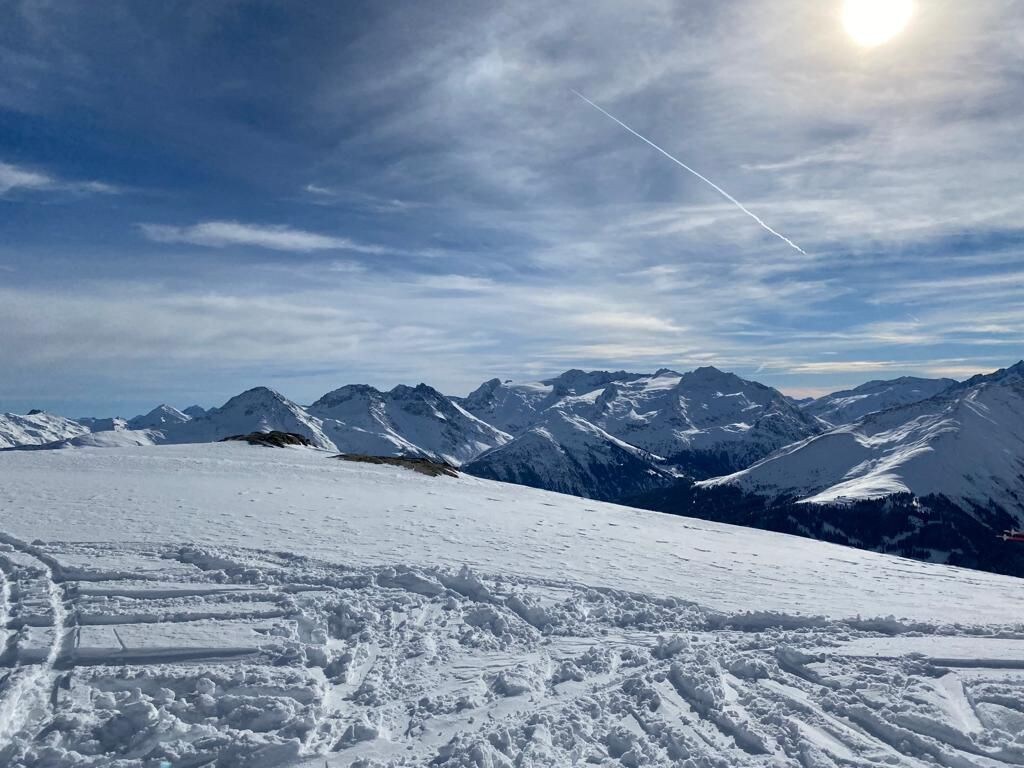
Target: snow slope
{"x": 160, "y": 417}
{"x": 36, "y": 428}
{"x": 110, "y": 438}
{"x": 854, "y": 404}
{"x": 701, "y": 423}
{"x": 226, "y": 604}
{"x": 406, "y": 420}
{"x": 104, "y": 424}
{"x": 509, "y": 406}
{"x": 706, "y": 411}
{"x": 703, "y": 411}
{"x": 255, "y": 410}
{"x": 966, "y": 443}
{"x": 568, "y": 454}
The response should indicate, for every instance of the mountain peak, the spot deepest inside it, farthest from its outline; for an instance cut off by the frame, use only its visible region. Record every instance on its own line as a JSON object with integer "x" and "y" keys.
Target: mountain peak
{"x": 160, "y": 417}
{"x": 710, "y": 374}
{"x": 421, "y": 390}
{"x": 253, "y": 397}
{"x": 1003, "y": 374}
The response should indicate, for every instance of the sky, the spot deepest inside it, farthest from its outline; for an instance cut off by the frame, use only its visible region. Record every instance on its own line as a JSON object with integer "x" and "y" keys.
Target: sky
{"x": 201, "y": 197}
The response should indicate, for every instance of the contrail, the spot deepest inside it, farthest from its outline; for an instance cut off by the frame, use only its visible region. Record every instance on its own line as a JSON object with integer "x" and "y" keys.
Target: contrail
{"x": 700, "y": 176}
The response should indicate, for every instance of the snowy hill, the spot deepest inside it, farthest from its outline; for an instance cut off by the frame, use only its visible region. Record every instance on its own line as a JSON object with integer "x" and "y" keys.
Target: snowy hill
{"x": 161, "y": 417}
{"x": 407, "y": 420}
{"x": 105, "y": 438}
{"x": 37, "y": 428}
{"x": 966, "y": 444}
{"x": 850, "y": 405}
{"x": 568, "y": 454}
{"x": 225, "y": 604}
{"x": 256, "y": 410}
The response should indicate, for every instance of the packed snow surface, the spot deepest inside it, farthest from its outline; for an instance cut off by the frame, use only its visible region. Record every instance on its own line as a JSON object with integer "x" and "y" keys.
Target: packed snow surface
{"x": 232, "y": 605}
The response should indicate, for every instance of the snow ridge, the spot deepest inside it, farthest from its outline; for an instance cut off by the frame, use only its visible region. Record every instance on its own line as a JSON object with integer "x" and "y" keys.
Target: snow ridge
{"x": 965, "y": 443}
{"x": 37, "y": 428}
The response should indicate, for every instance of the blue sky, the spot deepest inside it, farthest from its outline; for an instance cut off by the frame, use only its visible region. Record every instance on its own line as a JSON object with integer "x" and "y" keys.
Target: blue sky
{"x": 200, "y": 197}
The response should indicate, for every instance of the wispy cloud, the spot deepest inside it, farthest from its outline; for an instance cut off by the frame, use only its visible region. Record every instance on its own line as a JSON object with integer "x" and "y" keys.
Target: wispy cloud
{"x": 220, "y": 234}
{"x": 17, "y": 178}
{"x": 324, "y": 195}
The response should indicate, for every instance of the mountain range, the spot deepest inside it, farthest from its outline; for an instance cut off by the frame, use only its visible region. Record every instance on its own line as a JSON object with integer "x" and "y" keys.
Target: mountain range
{"x": 931, "y": 466}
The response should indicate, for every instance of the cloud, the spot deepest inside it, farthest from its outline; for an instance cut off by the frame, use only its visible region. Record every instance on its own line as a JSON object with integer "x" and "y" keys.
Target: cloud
{"x": 516, "y": 222}
{"x": 14, "y": 178}
{"x": 220, "y": 234}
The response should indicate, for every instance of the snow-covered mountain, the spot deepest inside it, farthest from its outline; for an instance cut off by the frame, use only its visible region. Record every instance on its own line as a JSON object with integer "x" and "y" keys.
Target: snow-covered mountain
{"x": 161, "y": 417}
{"x": 194, "y": 411}
{"x": 850, "y": 405}
{"x": 703, "y": 423}
{"x": 255, "y": 410}
{"x": 406, "y": 420}
{"x": 509, "y": 406}
{"x": 966, "y": 443}
{"x": 568, "y": 454}
{"x": 104, "y": 424}
{"x": 701, "y": 420}
{"x": 104, "y": 438}
{"x": 37, "y": 428}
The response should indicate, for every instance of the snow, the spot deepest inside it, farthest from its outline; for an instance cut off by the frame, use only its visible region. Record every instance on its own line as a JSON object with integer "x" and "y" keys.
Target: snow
{"x": 667, "y": 422}
{"x": 160, "y": 417}
{"x": 851, "y": 405}
{"x": 37, "y": 428}
{"x": 171, "y": 600}
{"x": 407, "y": 420}
{"x": 256, "y": 410}
{"x": 237, "y": 605}
{"x": 568, "y": 454}
{"x": 966, "y": 443}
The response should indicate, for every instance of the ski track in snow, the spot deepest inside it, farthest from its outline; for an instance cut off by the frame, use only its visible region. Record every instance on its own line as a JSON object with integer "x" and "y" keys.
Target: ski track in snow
{"x": 27, "y": 689}
{"x": 201, "y": 653}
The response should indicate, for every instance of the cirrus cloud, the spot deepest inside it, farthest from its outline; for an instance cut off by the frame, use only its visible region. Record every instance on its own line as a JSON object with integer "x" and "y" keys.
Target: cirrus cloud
{"x": 220, "y": 234}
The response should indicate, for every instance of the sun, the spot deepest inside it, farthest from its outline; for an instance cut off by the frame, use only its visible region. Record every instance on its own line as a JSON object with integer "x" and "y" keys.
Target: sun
{"x": 873, "y": 22}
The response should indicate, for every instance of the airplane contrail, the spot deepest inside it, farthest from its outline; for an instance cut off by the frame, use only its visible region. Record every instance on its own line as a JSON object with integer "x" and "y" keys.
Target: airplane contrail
{"x": 700, "y": 176}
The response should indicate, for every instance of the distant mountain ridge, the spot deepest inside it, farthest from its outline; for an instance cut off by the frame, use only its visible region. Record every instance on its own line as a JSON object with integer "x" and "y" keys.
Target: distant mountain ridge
{"x": 404, "y": 421}
{"x": 965, "y": 443}
{"x": 700, "y": 423}
{"x": 853, "y": 404}
{"x": 928, "y": 468}
{"x": 937, "y": 479}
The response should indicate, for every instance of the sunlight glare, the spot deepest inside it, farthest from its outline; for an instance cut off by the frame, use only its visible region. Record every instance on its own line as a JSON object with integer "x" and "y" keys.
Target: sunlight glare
{"x": 874, "y": 22}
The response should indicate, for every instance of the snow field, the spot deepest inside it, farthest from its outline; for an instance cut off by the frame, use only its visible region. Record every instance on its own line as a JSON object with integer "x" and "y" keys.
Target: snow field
{"x": 256, "y": 658}
{"x": 230, "y": 605}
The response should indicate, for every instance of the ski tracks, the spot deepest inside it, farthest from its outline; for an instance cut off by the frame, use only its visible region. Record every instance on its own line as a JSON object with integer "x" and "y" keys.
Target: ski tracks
{"x": 231, "y": 656}
{"x": 26, "y": 694}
